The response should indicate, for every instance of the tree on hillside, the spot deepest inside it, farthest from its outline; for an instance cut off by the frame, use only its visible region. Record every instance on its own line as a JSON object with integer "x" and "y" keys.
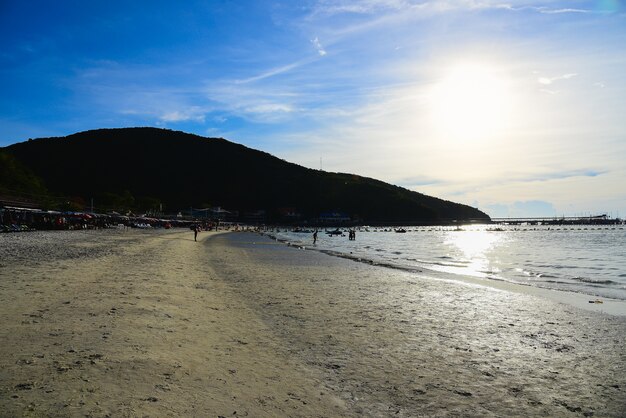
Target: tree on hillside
{"x": 17, "y": 182}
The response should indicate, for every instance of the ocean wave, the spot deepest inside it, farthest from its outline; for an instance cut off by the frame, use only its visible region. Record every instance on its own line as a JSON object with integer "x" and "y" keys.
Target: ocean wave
{"x": 538, "y": 275}
{"x": 370, "y": 261}
{"x": 559, "y": 282}
{"x": 593, "y": 281}
{"x": 451, "y": 264}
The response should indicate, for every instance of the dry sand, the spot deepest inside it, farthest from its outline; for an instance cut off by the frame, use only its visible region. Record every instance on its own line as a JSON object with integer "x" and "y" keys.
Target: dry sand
{"x": 151, "y": 323}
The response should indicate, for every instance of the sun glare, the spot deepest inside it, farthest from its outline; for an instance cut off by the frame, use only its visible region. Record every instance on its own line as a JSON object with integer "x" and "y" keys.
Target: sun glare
{"x": 474, "y": 246}
{"x": 470, "y": 102}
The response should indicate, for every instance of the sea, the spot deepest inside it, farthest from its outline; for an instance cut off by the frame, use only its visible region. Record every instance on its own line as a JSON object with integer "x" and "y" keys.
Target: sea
{"x": 585, "y": 259}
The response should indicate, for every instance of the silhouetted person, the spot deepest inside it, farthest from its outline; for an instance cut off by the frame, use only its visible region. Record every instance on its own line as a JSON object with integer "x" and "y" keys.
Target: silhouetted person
{"x": 315, "y": 236}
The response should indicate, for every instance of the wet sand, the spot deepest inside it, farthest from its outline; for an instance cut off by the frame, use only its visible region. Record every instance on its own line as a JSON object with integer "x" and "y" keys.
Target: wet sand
{"x": 139, "y": 323}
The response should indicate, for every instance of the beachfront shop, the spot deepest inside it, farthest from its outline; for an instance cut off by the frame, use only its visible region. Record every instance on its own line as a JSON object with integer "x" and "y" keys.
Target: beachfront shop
{"x": 17, "y": 219}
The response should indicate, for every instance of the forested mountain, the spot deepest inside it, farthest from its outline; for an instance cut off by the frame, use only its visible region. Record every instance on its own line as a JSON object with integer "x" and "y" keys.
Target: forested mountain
{"x": 145, "y": 168}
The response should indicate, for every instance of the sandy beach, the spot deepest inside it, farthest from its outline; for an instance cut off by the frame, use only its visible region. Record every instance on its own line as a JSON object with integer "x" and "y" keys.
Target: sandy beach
{"x": 150, "y": 323}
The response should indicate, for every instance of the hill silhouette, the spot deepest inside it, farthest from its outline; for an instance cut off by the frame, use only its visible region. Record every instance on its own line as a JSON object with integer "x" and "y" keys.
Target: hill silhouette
{"x": 144, "y": 168}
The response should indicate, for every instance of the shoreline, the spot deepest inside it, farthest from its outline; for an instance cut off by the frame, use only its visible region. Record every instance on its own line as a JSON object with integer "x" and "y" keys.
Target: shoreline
{"x": 128, "y": 323}
{"x": 609, "y": 306}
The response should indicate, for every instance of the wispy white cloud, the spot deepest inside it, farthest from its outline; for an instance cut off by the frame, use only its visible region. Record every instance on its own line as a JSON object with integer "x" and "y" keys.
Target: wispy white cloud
{"x": 259, "y": 102}
{"x": 371, "y": 7}
{"x": 549, "y": 80}
{"x": 318, "y": 46}
{"x": 132, "y": 92}
{"x": 274, "y": 71}
{"x": 269, "y": 108}
{"x": 377, "y": 7}
{"x": 539, "y": 9}
{"x": 345, "y": 19}
{"x": 193, "y": 113}
{"x": 560, "y": 175}
{"x": 546, "y": 10}
{"x": 333, "y": 7}
{"x": 417, "y": 181}
{"x": 284, "y": 69}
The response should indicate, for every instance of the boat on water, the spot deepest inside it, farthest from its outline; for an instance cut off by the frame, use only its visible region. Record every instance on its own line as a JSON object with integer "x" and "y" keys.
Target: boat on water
{"x": 400, "y": 230}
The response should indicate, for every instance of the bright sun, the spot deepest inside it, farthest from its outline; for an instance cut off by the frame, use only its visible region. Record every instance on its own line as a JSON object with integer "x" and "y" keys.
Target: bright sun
{"x": 470, "y": 102}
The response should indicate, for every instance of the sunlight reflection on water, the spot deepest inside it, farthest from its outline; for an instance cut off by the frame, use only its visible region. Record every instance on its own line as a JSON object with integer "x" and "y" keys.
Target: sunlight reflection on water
{"x": 475, "y": 249}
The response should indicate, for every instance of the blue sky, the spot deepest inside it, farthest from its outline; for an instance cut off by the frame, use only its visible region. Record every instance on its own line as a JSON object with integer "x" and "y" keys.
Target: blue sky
{"x": 515, "y": 107}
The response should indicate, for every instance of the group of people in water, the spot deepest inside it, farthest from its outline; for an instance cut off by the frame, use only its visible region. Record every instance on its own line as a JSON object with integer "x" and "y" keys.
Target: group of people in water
{"x": 351, "y": 235}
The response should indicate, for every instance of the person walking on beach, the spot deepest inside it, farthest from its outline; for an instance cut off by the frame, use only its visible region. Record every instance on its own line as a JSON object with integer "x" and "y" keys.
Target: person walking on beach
{"x": 315, "y": 236}
{"x": 195, "y": 232}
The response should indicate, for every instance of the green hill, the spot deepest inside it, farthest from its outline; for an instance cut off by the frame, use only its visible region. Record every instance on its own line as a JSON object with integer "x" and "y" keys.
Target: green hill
{"x": 143, "y": 168}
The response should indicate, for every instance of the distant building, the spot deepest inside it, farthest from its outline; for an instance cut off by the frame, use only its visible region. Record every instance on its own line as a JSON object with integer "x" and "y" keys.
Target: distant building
{"x": 218, "y": 213}
{"x": 22, "y": 202}
{"x": 334, "y": 217}
{"x": 213, "y": 214}
{"x": 255, "y": 217}
{"x": 289, "y": 214}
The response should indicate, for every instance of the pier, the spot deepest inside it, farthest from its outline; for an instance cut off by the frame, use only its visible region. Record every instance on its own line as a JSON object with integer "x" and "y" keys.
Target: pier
{"x": 563, "y": 220}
